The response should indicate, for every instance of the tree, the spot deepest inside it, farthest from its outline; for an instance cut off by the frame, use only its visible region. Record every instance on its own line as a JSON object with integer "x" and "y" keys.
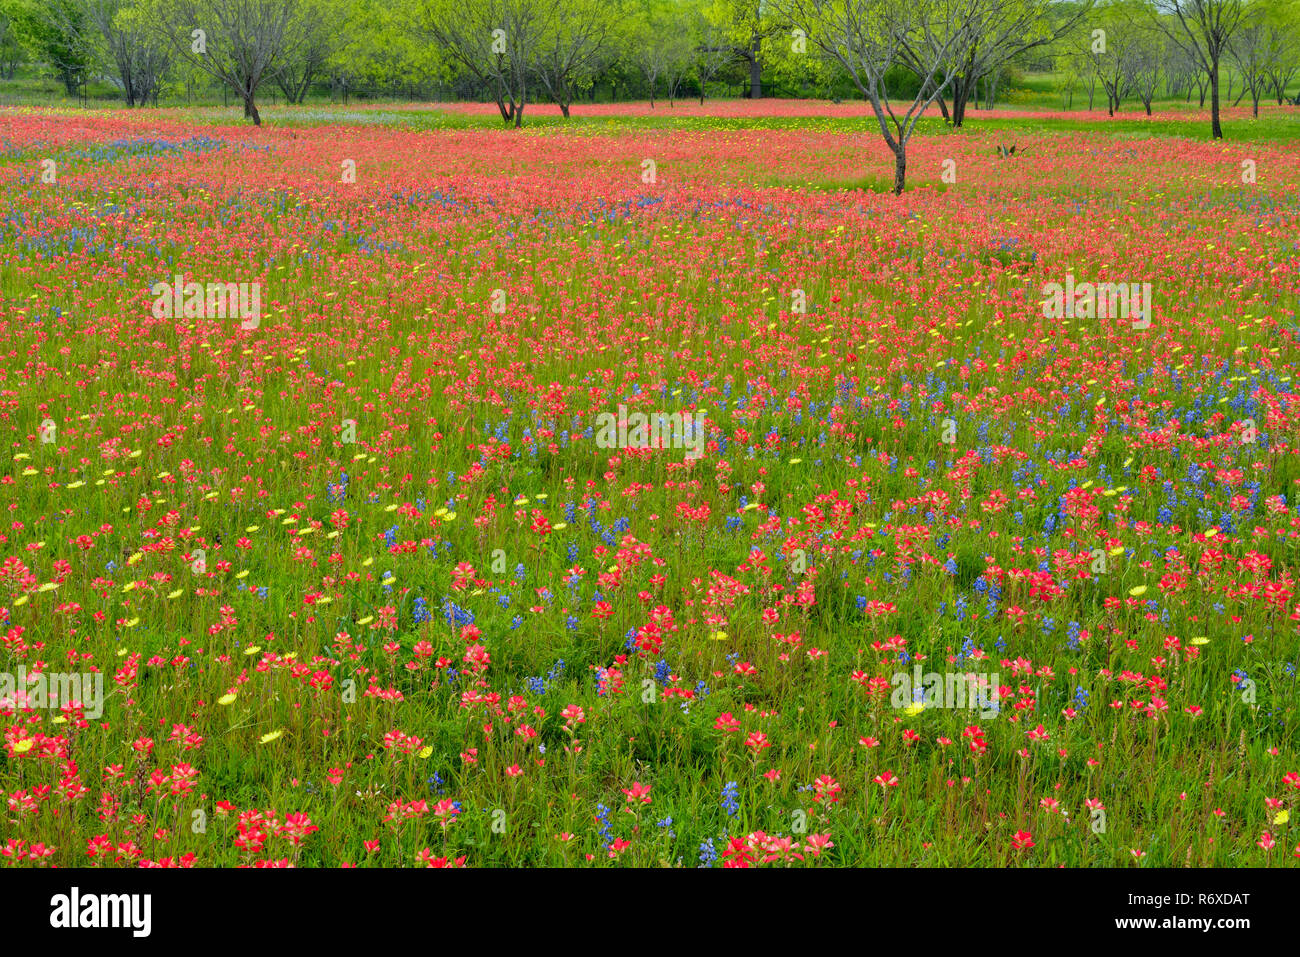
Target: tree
{"x": 751, "y": 26}
{"x": 318, "y": 28}
{"x": 1182, "y": 73}
{"x": 712, "y": 51}
{"x": 239, "y": 43}
{"x": 132, "y": 49}
{"x": 1145, "y": 68}
{"x": 1115, "y": 48}
{"x": 657, "y": 48}
{"x": 573, "y": 48}
{"x": 868, "y": 38}
{"x": 650, "y": 58}
{"x": 1249, "y": 50}
{"x": 1202, "y": 29}
{"x": 11, "y": 48}
{"x": 679, "y": 64}
{"x": 495, "y": 41}
{"x": 1070, "y": 79}
{"x": 58, "y": 33}
{"x": 1082, "y": 59}
{"x": 1283, "y": 60}
{"x": 993, "y": 33}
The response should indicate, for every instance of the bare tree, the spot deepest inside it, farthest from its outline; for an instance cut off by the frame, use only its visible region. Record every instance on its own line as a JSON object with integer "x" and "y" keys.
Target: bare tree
{"x": 1283, "y": 59}
{"x": 239, "y": 43}
{"x": 1084, "y": 59}
{"x": 572, "y": 50}
{"x": 1249, "y": 52}
{"x": 496, "y": 41}
{"x": 678, "y": 64}
{"x": 1202, "y": 29}
{"x": 1145, "y": 69}
{"x": 869, "y": 37}
{"x": 1181, "y": 72}
{"x": 1070, "y": 81}
{"x": 651, "y": 55}
{"x": 993, "y": 34}
{"x": 1116, "y": 56}
{"x": 712, "y": 54}
{"x": 318, "y": 30}
{"x": 135, "y": 52}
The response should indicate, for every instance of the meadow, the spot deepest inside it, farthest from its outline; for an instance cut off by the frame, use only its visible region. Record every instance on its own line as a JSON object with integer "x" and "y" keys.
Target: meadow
{"x": 365, "y": 590}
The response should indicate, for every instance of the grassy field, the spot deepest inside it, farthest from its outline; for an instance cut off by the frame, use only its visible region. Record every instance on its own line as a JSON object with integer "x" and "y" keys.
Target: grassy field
{"x": 366, "y": 585}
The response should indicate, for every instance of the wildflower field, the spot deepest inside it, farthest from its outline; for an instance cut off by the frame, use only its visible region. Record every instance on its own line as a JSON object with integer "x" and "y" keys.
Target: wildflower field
{"x": 365, "y": 587}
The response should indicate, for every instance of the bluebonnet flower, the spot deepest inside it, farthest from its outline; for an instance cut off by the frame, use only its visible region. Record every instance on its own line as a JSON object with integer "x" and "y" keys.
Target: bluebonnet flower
{"x": 729, "y": 795}
{"x": 606, "y": 829}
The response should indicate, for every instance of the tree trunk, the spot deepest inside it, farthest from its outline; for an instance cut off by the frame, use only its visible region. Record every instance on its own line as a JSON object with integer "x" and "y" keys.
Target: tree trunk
{"x": 1216, "y": 126}
{"x": 250, "y": 110}
{"x": 958, "y": 106}
{"x": 962, "y": 89}
{"x": 755, "y": 72}
{"x": 900, "y": 168}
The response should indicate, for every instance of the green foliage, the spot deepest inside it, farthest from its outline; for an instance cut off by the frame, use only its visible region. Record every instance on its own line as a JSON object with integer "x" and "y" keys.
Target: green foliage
{"x": 56, "y": 32}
